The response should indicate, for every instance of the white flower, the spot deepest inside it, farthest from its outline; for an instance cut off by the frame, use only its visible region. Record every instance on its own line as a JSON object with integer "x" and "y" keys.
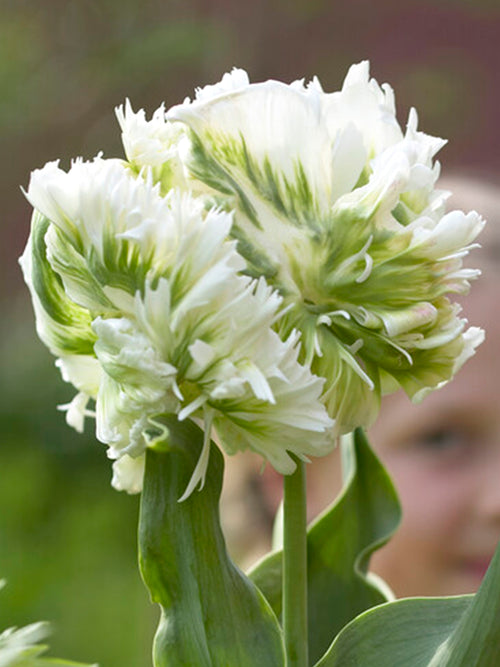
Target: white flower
{"x": 166, "y": 322}
{"x": 337, "y": 208}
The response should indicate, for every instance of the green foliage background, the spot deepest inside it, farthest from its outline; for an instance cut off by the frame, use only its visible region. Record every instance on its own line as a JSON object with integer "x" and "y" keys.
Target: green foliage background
{"x": 67, "y": 540}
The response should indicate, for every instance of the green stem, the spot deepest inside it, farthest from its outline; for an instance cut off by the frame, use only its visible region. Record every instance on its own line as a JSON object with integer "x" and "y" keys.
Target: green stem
{"x": 211, "y": 613}
{"x": 295, "y": 568}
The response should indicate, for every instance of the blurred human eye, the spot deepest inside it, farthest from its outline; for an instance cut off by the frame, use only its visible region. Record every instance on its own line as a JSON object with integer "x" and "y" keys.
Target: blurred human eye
{"x": 441, "y": 438}
{"x": 446, "y": 444}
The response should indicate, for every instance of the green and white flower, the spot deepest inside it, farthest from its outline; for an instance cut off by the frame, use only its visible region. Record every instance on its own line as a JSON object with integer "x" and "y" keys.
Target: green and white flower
{"x": 152, "y": 309}
{"x": 337, "y": 208}
{"x": 142, "y": 300}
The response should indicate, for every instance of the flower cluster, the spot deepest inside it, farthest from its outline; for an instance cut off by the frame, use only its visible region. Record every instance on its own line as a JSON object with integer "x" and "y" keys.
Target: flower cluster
{"x": 269, "y": 261}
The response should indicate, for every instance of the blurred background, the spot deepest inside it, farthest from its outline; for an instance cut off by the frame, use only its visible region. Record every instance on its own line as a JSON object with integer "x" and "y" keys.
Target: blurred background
{"x": 67, "y": 540}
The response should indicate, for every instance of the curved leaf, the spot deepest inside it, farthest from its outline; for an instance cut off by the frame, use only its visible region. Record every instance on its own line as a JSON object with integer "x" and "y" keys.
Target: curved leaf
{"x": 426, "y": 632}
{"x": 461, "y": 631}
{"x": 476, "y": 637}
{"x": 405, "y": 633}
{"x": 211, "y": 614}
{"x": 340, "y": 543}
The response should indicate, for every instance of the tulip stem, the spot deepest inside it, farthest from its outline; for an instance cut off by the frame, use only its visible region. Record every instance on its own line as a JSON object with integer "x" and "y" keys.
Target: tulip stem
{"x": 295, "y": 568}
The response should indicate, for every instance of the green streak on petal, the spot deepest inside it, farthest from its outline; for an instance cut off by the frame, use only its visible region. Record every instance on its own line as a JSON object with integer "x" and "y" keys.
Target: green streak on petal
{"x": 259, "y": 263}
{"x": 212, "y": 173}
{"x": 122, "y": 264}
{"x": 63, "y": 325}
{"x": 290, "y": 198}
{"x": 80, "y": 284}
{"x": 268, "y": 204}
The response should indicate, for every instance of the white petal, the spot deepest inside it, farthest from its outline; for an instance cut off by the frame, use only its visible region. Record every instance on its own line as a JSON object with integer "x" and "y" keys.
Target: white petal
{"x": 236, "y": 79}
{"x": 83, "y": 371}
{"x": 76, "y": 411}
{"x": 128, "y": 474}
{"x": 200, "y": 470}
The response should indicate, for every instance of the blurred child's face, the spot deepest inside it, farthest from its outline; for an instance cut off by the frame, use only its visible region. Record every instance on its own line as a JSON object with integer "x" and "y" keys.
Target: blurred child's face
{"x": 444, "y": 457}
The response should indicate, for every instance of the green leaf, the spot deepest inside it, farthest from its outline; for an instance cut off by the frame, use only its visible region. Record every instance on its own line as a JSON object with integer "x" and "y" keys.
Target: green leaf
{"x": 476, "y": 638}
{"x": 405, "y": 633}
{"x": 211, "y": 614}
{"x": 457, "y": 631}
{"x": 340, "y": 543}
